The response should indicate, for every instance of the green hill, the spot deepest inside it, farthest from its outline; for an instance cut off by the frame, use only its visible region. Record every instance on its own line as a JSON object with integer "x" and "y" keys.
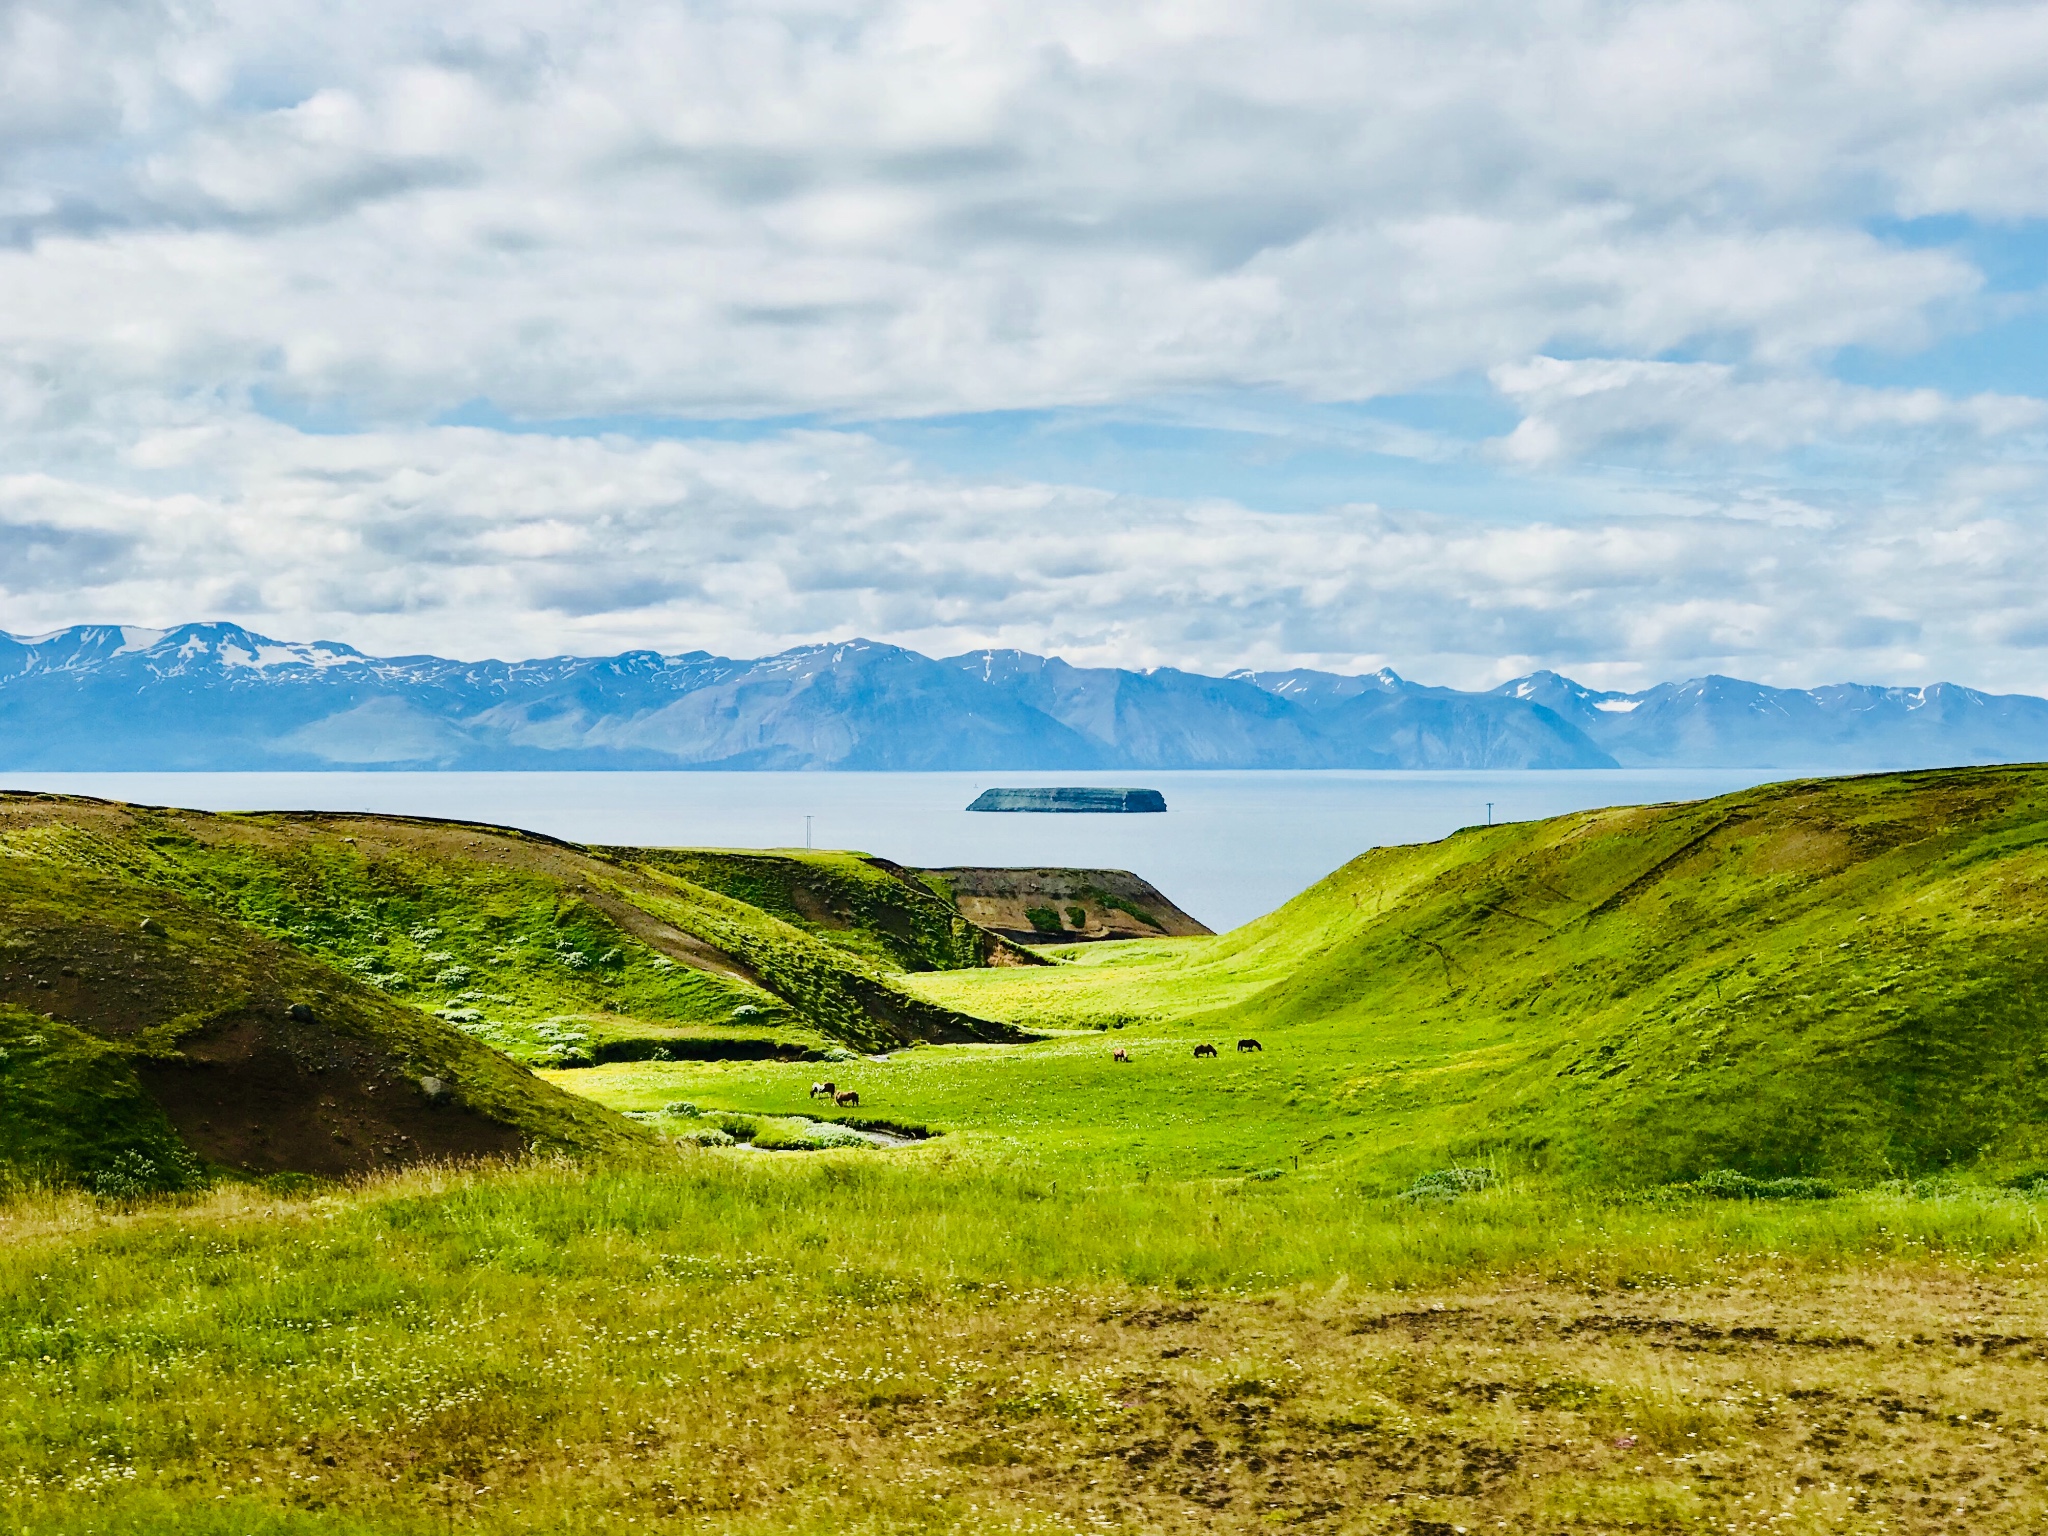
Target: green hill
{"x": 869, "y": 907}
{"x": 1839, "y": 979}
{"x": 326, "y": 994}
{"x": 145, "y": 1037}
{"x": 1846, "y": 978}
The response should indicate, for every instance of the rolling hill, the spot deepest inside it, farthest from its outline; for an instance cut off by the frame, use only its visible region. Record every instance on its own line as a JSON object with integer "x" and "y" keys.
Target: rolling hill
{"x": 1844, "y": 979}
{"x": 332, "y": 994}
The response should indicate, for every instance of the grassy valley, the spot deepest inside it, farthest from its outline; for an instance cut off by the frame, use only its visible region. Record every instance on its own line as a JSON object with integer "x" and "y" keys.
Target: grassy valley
{"x": 1842, "y": 980}
{"x": 1675, "y": 1168}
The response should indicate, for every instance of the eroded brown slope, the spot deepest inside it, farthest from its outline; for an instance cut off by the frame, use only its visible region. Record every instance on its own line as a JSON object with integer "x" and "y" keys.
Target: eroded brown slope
{"x": 1071, "y": 904}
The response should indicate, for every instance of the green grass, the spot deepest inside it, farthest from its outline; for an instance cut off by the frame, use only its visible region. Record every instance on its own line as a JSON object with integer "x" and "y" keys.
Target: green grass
{"x": 519, "y": 945}
{"x": 921, "y": 1343}
{"x": 1060, "y": 1108}
{"x": 1667, "y": 1169}
{"x": 75, "y": 1108}
{"x": 1844, "y": 978}
{"x": 848, "y": 900}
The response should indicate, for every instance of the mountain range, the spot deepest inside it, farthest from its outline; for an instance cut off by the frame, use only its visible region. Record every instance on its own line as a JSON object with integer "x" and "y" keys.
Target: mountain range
{"x": 217, "y": 697}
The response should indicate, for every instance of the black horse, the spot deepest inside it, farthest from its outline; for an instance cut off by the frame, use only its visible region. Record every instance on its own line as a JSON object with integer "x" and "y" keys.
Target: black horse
{"x": 1249, "y": 1045}
{"x": 1205, "y": 1050}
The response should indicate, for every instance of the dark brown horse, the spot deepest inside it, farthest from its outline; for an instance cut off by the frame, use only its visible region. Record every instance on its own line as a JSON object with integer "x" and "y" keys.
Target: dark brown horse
{"x": 1205, "y": 1050}
{"x": 1249, "y": 1045}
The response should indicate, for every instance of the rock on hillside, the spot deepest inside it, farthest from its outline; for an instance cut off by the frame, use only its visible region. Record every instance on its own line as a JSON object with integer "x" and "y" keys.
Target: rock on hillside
{"x": 1055, "y": 906}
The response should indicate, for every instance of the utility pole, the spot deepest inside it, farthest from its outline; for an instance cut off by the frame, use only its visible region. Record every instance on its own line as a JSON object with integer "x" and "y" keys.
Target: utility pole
{"x": 1489, "y": 813}
{"x": 807, "y": 834}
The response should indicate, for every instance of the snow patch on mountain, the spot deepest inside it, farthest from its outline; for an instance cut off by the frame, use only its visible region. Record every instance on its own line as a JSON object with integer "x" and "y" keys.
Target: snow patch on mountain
{"x": 218, "y": 696}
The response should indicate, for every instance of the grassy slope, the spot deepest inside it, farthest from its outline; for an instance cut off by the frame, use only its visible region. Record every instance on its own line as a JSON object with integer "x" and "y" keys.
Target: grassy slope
{"x": 837, "y": 992}
{"x": 115, "y": 1001}
{"x": 551, "y": 975}
{"x": 537, "y": 949}
{"x": 534, "y": 927}
{"x": 1841, "y": 978}
{"x": 844, "y": 899}
{"x": 544, "y": 941}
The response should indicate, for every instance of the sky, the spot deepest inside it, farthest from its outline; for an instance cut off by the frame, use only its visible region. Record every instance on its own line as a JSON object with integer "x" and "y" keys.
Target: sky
{"x": 1637, "y": 341}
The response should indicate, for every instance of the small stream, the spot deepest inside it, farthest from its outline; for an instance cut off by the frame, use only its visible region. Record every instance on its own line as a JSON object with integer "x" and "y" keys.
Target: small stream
{"x": 872, "y": 1138}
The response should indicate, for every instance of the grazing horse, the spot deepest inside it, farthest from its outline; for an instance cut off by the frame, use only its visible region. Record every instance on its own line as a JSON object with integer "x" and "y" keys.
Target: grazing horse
{"x": 846, "y": 1098}
{"x": 1119, "y": 1054}
{"x": 828, "y": 1090}
{"x": 1205, "y": 1050}
{"x": 1249, "y": 1045}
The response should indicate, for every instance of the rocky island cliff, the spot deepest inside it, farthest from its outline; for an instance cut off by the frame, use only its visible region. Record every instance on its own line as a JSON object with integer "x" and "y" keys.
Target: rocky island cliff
{"x": 1070, "y": 798}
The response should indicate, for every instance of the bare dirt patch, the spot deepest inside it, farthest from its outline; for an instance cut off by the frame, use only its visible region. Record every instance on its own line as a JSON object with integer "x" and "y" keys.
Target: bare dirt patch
{"x": 271, "y": 1096}
{"x": 1537, "y": 1409}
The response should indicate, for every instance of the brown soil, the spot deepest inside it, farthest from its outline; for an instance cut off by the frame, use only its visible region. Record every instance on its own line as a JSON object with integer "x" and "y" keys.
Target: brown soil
{"x": 113, "y": 983}
{"x": 267, "y": 1096}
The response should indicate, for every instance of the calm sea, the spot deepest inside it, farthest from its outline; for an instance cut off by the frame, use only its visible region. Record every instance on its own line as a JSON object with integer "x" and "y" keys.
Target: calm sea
{"x": 1231, "y": 846}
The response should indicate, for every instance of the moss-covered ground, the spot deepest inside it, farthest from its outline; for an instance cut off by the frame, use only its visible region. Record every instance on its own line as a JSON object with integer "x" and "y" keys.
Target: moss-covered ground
{"x": 71, "y": 1104}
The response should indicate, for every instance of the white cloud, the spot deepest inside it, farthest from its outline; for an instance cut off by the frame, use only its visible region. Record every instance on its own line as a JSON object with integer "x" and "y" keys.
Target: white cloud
{"x": 912, "y": 206}
{"x": 473, "y": 542}
{"x": 1579, "y": 407}
{"x": 373, "y": 215}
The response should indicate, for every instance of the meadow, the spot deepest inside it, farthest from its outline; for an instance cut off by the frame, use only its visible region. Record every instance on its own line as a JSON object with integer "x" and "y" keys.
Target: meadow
{"x": 1663, "y": 1169}
{"x": 1838, "y": 980}
{"x": 920, "y": 1341}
